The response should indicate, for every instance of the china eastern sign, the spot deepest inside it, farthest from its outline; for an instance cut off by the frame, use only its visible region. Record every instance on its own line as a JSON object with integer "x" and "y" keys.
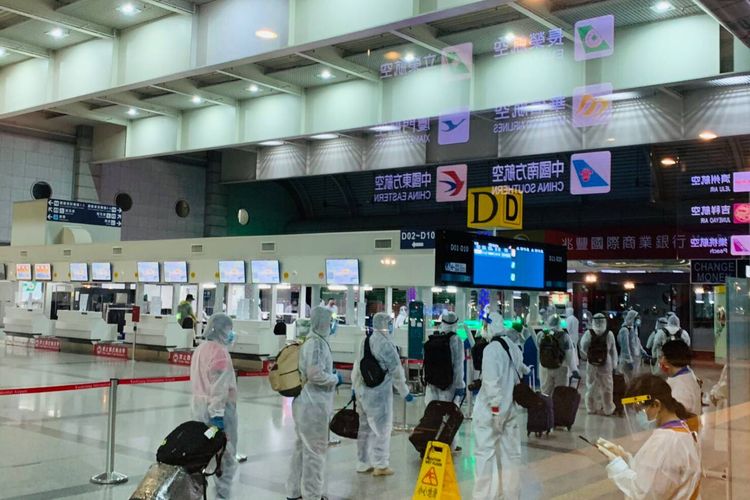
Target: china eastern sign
{"x": 403, "y": 187}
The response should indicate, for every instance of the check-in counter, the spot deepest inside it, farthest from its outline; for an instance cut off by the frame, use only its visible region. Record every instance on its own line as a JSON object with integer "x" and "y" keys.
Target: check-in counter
{"x": 345, "y": 342}
{"x": 160, "y": 331}
{"x": 255, "y": 337}
{"x": 84, "y": 325}
{"x": 27, "y": 322}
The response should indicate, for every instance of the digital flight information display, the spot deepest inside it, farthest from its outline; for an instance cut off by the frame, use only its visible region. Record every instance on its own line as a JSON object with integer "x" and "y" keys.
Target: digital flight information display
{"x": 508, "y": 266}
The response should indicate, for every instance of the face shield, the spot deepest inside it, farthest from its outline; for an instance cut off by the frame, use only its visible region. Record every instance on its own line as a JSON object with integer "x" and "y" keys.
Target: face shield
{"x": 599, "y": 324}
{"x": 637, "y": 420}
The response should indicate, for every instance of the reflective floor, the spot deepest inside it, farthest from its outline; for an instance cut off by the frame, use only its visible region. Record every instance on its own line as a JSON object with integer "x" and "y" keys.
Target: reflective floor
{"x": 51, "y": 444}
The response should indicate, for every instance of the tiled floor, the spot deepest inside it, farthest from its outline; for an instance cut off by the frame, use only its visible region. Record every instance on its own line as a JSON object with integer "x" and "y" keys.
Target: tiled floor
{"x": 51, "y": 444}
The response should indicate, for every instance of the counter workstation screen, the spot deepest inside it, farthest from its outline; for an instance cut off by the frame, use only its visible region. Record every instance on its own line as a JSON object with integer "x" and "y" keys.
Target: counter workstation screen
{"x": 79, "y": 271}
{"x": 265, "y": 272}
{"x": 23, "y": 272}
{"x": 232, "y": 271}
{"x": 342, "y": 271}
{"x": 148, "y": 272}
{"x": 101, "y": 271}
{"x": 175, "y": 272}
{"x": 43, "y": 272}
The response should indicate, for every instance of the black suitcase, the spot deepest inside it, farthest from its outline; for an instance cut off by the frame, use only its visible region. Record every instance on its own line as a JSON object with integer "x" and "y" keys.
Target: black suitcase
{"x": 541, "y": 417}
{"x": 566, "y": 401}
{"x": 619, "y": 386}
{"x": 440, "y": 422}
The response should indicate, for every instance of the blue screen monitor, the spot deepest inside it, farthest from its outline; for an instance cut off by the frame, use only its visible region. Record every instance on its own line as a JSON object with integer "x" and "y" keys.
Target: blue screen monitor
{"x": 232, "y": 271}
{"x": 508, "y": 266}
{"x": 342, "y": 271}
{"x": 79, "y": 271}
{"x": 265, "y": 272}
{"x": 101, "y": 271}
{"x": 148, "y": 272}
{"x": 175, "y": 272}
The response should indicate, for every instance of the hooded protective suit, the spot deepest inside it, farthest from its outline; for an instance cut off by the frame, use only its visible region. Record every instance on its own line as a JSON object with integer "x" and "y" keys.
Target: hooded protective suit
{"x": 558, "y": 377}
{"x": 651, "y": 345}
{"x": 312, "y": 410}
{"x": 630, "y": 347}
{"x": 573, "y": 326}
{"x": 666, "y": 333}
{"x": 449, "y": 326}
{"x": 402, "y": 317}
{"x": 376, "y": 403}
{"x": 496, "y": 433}
{"x": 214, "y": 389}
{"x": 599, "y": 384}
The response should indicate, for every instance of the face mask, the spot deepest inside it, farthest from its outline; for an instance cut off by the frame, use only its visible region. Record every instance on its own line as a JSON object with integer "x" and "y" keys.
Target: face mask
{"x": 638, "y": 322}
{"x": 643, "y": 422}
{"x": 231, "y": 336}
{"x": 664, "y": 368}
{"x": 390, "y": 328}
{"x": 599, "y": 328}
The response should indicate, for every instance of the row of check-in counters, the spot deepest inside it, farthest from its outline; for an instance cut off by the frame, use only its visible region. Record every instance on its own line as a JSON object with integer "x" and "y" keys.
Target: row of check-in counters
{"x": 255, "y": 338}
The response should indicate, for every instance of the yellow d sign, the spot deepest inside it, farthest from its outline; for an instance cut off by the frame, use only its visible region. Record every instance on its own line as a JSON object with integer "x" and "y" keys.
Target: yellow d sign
{"x": 490, "y": 207}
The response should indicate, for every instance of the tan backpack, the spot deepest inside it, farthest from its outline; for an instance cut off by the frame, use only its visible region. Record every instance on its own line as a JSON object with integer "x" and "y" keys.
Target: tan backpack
{"x": 285, "y": 377}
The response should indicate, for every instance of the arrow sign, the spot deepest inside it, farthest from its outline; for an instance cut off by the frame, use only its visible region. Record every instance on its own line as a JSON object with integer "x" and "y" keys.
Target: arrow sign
{"x": 417, "y": 239}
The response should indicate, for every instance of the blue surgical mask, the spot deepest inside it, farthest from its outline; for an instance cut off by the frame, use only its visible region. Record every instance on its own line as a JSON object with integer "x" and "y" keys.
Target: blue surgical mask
{"x": 231, "y": 336}
{"x": 390, "y": 328}
{"x": 642, "y": 421}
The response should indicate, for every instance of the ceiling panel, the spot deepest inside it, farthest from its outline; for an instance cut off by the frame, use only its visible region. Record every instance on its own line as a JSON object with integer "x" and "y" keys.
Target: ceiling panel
{"x": 238, "y": 90}
{"x": 9, "y": 19}
{"x": 307, "y": 76}
{"x": 105, "y": 12}
{"x": 489, "y": 17}
{"x": 34, "y": 32}
{"x": 11, "y": 57}
{"x": 627, "y": 12}
{"x": 178, "y": 101}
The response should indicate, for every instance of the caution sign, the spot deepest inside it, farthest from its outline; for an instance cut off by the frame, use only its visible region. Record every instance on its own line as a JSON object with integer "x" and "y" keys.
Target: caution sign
{"x": 494, "y": 207}
{"x": 437, "y": 478}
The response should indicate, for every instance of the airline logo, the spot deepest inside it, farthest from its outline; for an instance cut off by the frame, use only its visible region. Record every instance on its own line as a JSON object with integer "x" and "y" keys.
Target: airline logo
{"x": 741, "y": 182}
{"x": 453, "y": 128}
{"x": 451, "y": 183}
{"x": 457, "y": 61}
{"x": 741, "y": 212}
{"x": 740, "y": 244}
{"x": 590, "y": 173}
{"x": 592, "y": 105}
{"x": 594, "y": 38}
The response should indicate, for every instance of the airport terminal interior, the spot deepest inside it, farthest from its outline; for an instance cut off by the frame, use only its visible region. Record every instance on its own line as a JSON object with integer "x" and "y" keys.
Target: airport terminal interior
{"x": 241, "y": 213}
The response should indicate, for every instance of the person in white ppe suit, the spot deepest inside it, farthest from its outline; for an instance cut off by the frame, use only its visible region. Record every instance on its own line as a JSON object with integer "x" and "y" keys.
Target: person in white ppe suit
{"x": 668, "y": 465}
{"x": 457, "y": 390}
{"x": 558, "y": 377}
{"x": 375, "y": 404}
{"x": 312, "y": 410}
{"x": 670, "y": 331}
{"x": 402, "y": 318}
{"x": 599, "y": 342}
{"x": 675, "y": 363}
{"x": 654, "y": 349}
{"x": 573, "y": 325}
{"x": 214, "y": 388}
{"x": 630, "y": 347}
{"x": 497, "y": 434}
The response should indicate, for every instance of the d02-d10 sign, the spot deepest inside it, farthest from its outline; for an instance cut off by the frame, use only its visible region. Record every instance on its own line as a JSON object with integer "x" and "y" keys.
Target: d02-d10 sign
{"x": 490, "y": 207}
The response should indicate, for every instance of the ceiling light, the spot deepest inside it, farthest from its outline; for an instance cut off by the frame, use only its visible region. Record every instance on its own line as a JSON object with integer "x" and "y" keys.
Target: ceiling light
{"x": 196, "y": 99}
{"x": 58, "y": 32}
{"x": 437, "y": 289}
{"x": 451, "y": 289}
{"x": 392, "y": 55}
{"x": 590, "y": 278}
{"x": 323, "y": 137}
{"x": 509, "y": 37}
{"x": 271, "y": 143}
{"x": 253, "y": 88}
{"x": 610, "y": 139}
{"x": 385, "y": 128}
{"x": 622, "y": 96}
{"x": 129, "y": 9}
{"x": 409, "y": 57}
{"x": 629, "y": 285}
{"x": 707, "y": 135}
{"x": 326, "y": 74}
{"x": 266, "y": 34}
{"x": 132, "y": 112}
{"x": 3, "y": 52}
{"x": 662, "y": 6}
{"x": 699, "y": 290}
{"x": 533, "y": 108}
{"x": 668, "y": 162}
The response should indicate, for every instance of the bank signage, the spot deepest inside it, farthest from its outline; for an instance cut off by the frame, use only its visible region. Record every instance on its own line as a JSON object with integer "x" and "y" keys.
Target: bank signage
{"x": 712, "y": 271}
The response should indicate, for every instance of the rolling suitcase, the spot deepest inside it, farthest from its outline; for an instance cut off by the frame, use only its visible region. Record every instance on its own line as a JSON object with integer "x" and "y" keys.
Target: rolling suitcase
{"x": 541, "y": 418}
{"x": 440, "y": 422}
{"x": 164, "y": 481}
{"x": 566, "y": 401}
{"x": 619, "y": 387}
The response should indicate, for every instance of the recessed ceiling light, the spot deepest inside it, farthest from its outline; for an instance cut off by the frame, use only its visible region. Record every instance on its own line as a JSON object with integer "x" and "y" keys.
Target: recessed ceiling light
{"x": 392, "y": 55}
{"x": 707, "y": 135}
{"x": 266, "y": 34}
{"x": 323, "y": 137}
{"x": 662, "y": 6}
{"x": 610, "y": 139}
{"x": 385, "y": 128}
{"x": 509, "y": 37}
{"x": 668, "y": 162}
{"x": 129, "y": 9}
{"x": 623, "y": 96}
{"x": 132, "y": 112}
{"x": 196, "y": 99}
{"x": 3, "y": 52}
{"x": 326, "y": 74}
{"x": 58, "y": 32}
{"x": 253, "y": 88}
{"x": 409, "y": 57}
{"x": 271, "y": 143}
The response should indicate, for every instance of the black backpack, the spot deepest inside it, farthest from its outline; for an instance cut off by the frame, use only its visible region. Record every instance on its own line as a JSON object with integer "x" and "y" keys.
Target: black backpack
{"x": 279, "y": 328}
{"x": 551, "y": 350}
{"x": 190, "y": 447}
{"x": 438, "y": 361}
{"x": 598, "y": 350}
{"x": 372, "y": 373}
{"x": 477, "y": 352}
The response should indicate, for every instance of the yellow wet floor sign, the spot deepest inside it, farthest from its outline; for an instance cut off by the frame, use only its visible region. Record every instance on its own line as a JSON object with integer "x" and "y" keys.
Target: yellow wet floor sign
{"x": 437, "y": 478}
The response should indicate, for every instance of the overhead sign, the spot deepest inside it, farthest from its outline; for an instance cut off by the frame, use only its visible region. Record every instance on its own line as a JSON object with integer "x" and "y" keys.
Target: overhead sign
{"x": 590, "y": 173}
{"x": 592, "y": 105}
{"x": 594, "y": 38}
{"x": 712, "y": 271}
{"x": 452, "y": 182}
{"x": 403, "y": 186}
{"x": 79, "y": 212}
{"x": 490, "y": 207}
{"x": 417, "y": 239}
{"x": 531, "y": 178}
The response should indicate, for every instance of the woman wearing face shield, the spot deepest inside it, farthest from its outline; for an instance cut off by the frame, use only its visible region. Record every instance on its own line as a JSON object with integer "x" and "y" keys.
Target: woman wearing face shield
{"x": 214, "y": 389}
{"x": 668, "y": 464}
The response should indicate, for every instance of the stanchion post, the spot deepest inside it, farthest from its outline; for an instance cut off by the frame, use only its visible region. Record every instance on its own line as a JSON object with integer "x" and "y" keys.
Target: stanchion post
{"x": 404, "y": 427}
{"x": 110, "y": 476}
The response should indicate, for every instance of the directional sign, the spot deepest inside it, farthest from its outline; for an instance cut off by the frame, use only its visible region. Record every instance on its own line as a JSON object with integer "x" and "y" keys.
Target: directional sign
{"x": 80, "y": 212}
{"x": 417, "y": 239}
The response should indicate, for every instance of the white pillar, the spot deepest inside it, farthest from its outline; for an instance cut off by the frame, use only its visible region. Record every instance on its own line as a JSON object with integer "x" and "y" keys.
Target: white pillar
{"x": 219, "y": 298}
{"x": 426, "y": 296}
{"x": 315, "y": 296}
{"x": 361, "y": 308}
{"x": 175, "y": 298}
{"x": 389, "y": 299}
{"x": 303, "y": 302}
{"x": 254, "y": 301}
{"x": 272, "y": 307}
{"x": 461, "y": 304}
{"x": 350, "y": 319}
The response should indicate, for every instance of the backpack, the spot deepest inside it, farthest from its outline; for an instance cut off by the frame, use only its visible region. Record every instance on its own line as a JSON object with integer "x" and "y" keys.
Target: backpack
{"x": 477, "y": 352}
{"x": 284, "y": 376}
{"x": 438, "y": 361}
{"x": 598, "y": 351}
{"x": 551, "y": 350}
{"x": 371, "y": 371}
{"x": 672, "y": 336}
{"x": 279, "y": 328}
{"x": 192, "y": 445}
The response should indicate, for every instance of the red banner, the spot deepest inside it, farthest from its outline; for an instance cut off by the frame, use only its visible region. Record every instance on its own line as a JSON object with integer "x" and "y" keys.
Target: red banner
{"x": 47, "y": 343}
{"x": 118, "y": 351}
{"x": 182, "y": 358}
{"x": 155, "y": 380}
{"x": 53, "y": 388}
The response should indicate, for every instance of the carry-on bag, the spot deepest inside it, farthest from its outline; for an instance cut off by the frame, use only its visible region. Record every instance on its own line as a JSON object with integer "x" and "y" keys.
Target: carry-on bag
{"x": 440, "y": 422}
{"x": 192, "y": 445}
{"x": 345, "y": 422}
{"x": 541, "y": 418}
{"x": 169, "y": 482}
{"x": 566, "y": 401}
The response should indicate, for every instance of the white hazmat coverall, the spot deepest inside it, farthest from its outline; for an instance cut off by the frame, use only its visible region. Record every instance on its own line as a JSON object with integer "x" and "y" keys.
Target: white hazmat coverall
{"x": 572, "y": 325}
{"x": 498, "y": 437}
{"x": 651, "y": 344}
{"x": 599, "y": 383}
{"x": 402, "y": 318}
{"x": 448, "y": 326}
{"x": 630, "y": 347}
{"x": 312, "y": 410}
{"x": 376, "y": 403}
{"x": 557, "y": 377}
{"x": 214, "y": 387}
